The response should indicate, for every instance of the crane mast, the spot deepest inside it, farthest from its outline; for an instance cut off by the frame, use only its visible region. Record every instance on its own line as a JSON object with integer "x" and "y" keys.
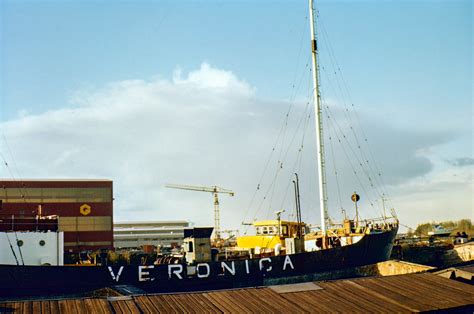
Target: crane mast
{"x": 215, "y": 190}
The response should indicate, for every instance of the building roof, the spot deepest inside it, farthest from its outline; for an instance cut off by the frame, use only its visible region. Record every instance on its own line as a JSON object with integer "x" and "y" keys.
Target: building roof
{"x": 54, "y": 180}
{"x": 151, "y": 229}
{"x": 464, "y": 273}
{"x": 55, "y": 183}
{"x": 150, "y": 223}
{"x": 401, "y": 293}
{"x": 198, "y": 232}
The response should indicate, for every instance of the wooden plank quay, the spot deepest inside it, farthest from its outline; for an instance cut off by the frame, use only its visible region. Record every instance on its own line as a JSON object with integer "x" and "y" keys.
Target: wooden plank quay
{"x": 421, "y": 292}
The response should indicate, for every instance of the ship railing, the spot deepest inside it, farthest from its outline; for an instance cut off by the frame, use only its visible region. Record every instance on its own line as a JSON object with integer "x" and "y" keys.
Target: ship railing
{"x": 378, "y": 223}
{"x": 381, "y": 222}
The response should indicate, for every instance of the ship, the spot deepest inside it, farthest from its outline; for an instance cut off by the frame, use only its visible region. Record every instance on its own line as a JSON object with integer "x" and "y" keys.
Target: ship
{"x": 280, "y": 252}
{"x": 439, "y": 231}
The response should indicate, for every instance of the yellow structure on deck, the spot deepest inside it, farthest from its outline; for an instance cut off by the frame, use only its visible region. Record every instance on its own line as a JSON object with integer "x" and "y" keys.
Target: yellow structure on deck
{"x": 270, "y": 234}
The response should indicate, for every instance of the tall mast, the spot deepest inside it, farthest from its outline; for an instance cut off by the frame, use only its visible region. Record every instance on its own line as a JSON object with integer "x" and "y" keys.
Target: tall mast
{"x": 318, "y": 124}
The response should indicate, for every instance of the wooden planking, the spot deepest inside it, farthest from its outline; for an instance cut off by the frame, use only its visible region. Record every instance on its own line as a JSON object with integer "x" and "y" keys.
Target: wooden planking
{"x": 227, "y": 303}
{"x": 15, "y": 307}
{"x": 421, "y": 291}
{"x": 397, "y": 294}
{"x": 80, "y": 306}
{"x": 199, "y": 303}
{"x": 408, "y": 290}
{"x": 36, "y": 306}
{"x": 54, "y": 307}
{"x": 116, "y": 308}
{"x": 160, "y": 303}
{"x": 375, "y": 294}
{"x": 176, "y": 301}
{"x": 387, "y": 302}
{"x": 62, "y": 306}
{"x": 251, "y": 301}
{"x": 379, "y": 290}
{"x": 147, "y": 305}
{"x": 295, "y": 287}
{"x": 27, "y": 307}
{"x": 438, "y": 282}
{"x": 403, "y": 293}
{"x": 254, "y": 299}
{"x": 308, "y": 302}
{"x": 92, "y": 306}
{"x": 132, "y": 307}
{"x": 170, "y": 304}
{"x": 344, "y": 291}
{"x": 327, "y": 299}
{"x": 221, "y": 303}
{"x": 258, "y": 300}
{"x": 125, "y": 306}
{"x": 332, "y": 301}
{"x": 204, "y": 302}
{"x": 45, "y": 307}
{"x": 440, "y": 298}
{"x": 224, "y": 303}
{"x": 280, "y": 302}
{"x": 97, "y": 306}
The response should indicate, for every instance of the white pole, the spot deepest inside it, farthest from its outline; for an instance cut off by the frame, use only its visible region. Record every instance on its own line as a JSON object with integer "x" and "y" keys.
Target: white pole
{"x": 319, "y": 129}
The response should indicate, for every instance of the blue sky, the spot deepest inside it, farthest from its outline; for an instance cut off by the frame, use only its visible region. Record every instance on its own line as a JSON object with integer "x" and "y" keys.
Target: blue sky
{"x": 408, "y": 64}
{"x": 52, "y": 48}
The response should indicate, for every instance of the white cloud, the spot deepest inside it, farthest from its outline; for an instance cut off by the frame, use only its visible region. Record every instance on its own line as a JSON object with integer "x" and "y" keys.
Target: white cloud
{"x": 205, "y": 128}
{"x": 143, "y": 134}
{"x": 440, "y": 196}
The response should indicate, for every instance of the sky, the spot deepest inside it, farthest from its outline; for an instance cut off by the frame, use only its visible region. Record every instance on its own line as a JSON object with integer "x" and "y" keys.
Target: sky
{"x": 219, "y": 93}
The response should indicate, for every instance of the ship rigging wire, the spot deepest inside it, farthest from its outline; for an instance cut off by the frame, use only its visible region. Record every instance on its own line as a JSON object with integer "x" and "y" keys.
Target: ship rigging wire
{"x": 11, "y": 247}
{"x": 19, "y": 248}
{"x": 361, "y": 160}
{"x": 336, "y": 176}
{"x": 281, "y": 134}
{"x": 23, "y": 192}
{"x": 298, "y": 160}
{"x": 332, "y": 125}
{"x": 269, "y": 192}
{"x": 281, "y": 161}
{"x": 340, "y": 78}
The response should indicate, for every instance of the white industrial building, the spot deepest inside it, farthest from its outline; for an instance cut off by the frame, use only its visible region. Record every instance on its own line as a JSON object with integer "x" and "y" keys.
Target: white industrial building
{"x": 158, "y": 233}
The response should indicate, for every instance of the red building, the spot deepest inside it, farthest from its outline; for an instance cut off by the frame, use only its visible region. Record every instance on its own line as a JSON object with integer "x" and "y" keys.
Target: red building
{"x": 84, "y": 208}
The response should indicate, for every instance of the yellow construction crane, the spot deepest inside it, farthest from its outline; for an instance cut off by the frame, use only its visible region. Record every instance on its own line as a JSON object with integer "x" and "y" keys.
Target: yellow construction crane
{"x": 215, "y": 190}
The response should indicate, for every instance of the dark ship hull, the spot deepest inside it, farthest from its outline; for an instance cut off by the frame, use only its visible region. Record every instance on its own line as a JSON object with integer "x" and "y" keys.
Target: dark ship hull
{"x": 21, "y": 281}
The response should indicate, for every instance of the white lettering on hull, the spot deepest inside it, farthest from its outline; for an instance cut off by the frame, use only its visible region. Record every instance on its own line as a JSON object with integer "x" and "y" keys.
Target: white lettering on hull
{"x": 265, "y": 259}
{"x": 143, "y": 275}
{"x": 288, "y": 262}
{"x": 203, "y": 270}
{"x": 200, "y": 266}
{"x": 116, "y": 278}
{"x": 229, "y": 269}
{"x": 178, "y": 269}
